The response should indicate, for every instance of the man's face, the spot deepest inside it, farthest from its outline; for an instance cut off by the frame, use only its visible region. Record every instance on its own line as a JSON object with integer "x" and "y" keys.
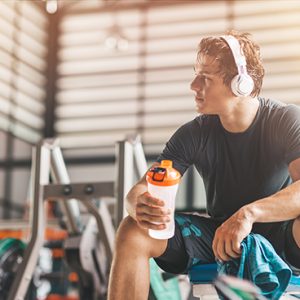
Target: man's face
{"x": 211, "y": 94}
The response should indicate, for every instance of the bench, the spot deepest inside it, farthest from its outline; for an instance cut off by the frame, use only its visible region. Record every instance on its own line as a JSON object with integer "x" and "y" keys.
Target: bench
{"x": 202, "y": 277}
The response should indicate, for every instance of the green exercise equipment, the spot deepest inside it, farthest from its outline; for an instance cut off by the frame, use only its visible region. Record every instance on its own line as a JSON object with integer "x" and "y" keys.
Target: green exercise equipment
{"x": 11, "y": 256}
{"x": 163, "y": 289}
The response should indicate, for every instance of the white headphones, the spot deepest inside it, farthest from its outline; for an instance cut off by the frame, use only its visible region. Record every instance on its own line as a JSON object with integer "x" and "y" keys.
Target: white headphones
{"x": 242, "y": 84}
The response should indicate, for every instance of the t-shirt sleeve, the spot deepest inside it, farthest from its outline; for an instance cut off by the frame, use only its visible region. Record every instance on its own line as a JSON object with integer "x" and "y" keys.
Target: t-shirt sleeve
{"x": 291, "y": 133}
{"x": 181, "y": 148}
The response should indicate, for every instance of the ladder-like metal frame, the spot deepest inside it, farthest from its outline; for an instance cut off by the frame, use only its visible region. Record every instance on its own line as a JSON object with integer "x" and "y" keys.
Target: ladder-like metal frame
{"x": 131, "y": 162}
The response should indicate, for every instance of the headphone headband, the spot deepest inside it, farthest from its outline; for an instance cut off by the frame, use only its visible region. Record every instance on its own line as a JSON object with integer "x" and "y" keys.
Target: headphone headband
{"x": 237, "y": 52}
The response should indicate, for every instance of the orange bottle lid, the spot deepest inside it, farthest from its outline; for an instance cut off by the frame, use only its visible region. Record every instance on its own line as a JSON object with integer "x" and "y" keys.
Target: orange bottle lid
{"x": 164, "y": 174}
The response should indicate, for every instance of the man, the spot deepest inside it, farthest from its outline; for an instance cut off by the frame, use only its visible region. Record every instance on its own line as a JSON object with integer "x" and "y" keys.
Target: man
{"x": 247, "y": 150}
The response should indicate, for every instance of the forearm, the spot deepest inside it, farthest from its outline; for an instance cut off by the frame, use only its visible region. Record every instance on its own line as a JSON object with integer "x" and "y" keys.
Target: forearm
{"x": 138, "y": 189}
{"x": 131, "y": 198}
{"x": 282, "y": 206}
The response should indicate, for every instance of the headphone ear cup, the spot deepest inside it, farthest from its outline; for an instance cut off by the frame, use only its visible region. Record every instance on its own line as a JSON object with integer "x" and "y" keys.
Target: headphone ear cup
{"x": 234, "y": 85}
{"x": 242, "y": 85}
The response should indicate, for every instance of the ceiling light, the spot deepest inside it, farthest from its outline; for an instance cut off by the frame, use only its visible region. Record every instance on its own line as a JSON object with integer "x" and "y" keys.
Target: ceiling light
{"x": 116, "y": 40}
{"x": 51, "y": 6}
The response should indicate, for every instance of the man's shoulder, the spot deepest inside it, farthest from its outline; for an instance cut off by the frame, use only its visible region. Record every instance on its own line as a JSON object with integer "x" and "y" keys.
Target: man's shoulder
{"x": 272, "y": 104}
{"x": 279, "y": 108}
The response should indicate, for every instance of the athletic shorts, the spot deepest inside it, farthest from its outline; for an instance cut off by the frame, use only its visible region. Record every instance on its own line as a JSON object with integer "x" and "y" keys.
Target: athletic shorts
{"x": 192, "y": 242}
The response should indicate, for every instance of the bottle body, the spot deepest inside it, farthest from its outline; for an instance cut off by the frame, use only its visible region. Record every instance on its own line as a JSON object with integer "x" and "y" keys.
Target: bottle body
{"x": 168, "y": 195}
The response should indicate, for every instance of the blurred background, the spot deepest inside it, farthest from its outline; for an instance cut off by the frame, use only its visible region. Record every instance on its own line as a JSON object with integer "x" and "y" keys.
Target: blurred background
{"x": 91, "y": 72}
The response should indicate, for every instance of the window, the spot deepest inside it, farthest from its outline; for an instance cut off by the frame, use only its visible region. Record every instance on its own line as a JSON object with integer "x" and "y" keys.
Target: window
{"x": 23, "y": 52}
{"x": 105, "y": 95}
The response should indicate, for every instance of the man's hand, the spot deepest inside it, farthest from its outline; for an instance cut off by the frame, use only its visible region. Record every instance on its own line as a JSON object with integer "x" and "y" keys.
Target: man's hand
{"x": 150, "y": 212}
{"x": 228, "y": 237}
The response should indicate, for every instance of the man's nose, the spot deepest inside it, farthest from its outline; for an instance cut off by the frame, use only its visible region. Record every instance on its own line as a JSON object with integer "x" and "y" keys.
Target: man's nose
{"x": 196, "y": 85}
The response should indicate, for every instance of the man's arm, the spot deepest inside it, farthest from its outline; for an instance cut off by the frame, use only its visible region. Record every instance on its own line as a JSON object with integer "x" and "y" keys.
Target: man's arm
{"x": 144, "y": 208}
{"x": 283, "y": 205}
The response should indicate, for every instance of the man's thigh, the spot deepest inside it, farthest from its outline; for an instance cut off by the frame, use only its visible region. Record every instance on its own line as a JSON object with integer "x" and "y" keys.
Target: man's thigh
{"x": 292, "y": 250}
{"x": 280, "y": 235}
{"x": 191, "y": 244}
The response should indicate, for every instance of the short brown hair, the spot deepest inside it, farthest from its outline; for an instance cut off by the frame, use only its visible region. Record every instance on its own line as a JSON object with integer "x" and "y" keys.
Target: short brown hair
{"x": 218, "y": 48}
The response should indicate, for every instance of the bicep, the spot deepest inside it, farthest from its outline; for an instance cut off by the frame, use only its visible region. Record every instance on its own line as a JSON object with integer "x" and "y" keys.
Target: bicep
{"x": 294, "y": 169}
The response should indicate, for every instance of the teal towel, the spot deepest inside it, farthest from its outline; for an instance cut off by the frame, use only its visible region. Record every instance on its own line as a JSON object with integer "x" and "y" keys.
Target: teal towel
{"x": 260, "y": 264}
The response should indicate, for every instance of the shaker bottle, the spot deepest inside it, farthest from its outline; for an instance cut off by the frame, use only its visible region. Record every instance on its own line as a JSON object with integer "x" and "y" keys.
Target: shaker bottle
{"x": 162, "y": 184}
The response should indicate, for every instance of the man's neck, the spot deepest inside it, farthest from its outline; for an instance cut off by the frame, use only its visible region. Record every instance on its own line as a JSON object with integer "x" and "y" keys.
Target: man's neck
{"x": 240, "y": 116}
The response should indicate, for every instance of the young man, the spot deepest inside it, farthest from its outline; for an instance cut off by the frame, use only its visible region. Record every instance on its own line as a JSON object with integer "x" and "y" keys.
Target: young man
{"x": 247, "y": 150}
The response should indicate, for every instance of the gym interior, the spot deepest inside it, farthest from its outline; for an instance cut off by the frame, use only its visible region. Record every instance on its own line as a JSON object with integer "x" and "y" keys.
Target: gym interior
{"x": 90, "y": 92}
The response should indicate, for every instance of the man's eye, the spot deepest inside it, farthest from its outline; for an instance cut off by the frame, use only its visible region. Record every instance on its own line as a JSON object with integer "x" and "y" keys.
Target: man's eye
{"x": 203, "y": 78}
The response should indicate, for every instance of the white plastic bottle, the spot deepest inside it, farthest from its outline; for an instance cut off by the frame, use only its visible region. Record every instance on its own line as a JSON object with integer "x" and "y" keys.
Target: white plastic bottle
{"x": 163, "y": 184}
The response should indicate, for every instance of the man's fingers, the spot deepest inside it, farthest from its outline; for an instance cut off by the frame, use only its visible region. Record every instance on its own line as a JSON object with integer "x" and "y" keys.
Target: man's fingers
{"x": 151, "y": 210}
{"x": 229, "y": 249}
{"x": 153, "y": 219}
{"x": 224, "y": 250}
{"x": 214, "y": 247}
{"x": 154, "y": 211}
{"x": 148, "y": 225}
{"x": 147, "y": 199}
{"x": 217, "y": 245}
{"x": 236, "y": 247}
{"x": 221, "y": 251}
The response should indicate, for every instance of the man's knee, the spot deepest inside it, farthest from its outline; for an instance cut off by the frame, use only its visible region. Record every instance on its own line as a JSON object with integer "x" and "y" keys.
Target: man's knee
{"x": 129, "y": 231}
{"x": 131, "y": 237}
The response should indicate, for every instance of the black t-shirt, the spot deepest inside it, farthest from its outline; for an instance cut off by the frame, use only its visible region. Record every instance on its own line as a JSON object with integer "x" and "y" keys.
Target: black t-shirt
{"x": 239, "y": 168}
